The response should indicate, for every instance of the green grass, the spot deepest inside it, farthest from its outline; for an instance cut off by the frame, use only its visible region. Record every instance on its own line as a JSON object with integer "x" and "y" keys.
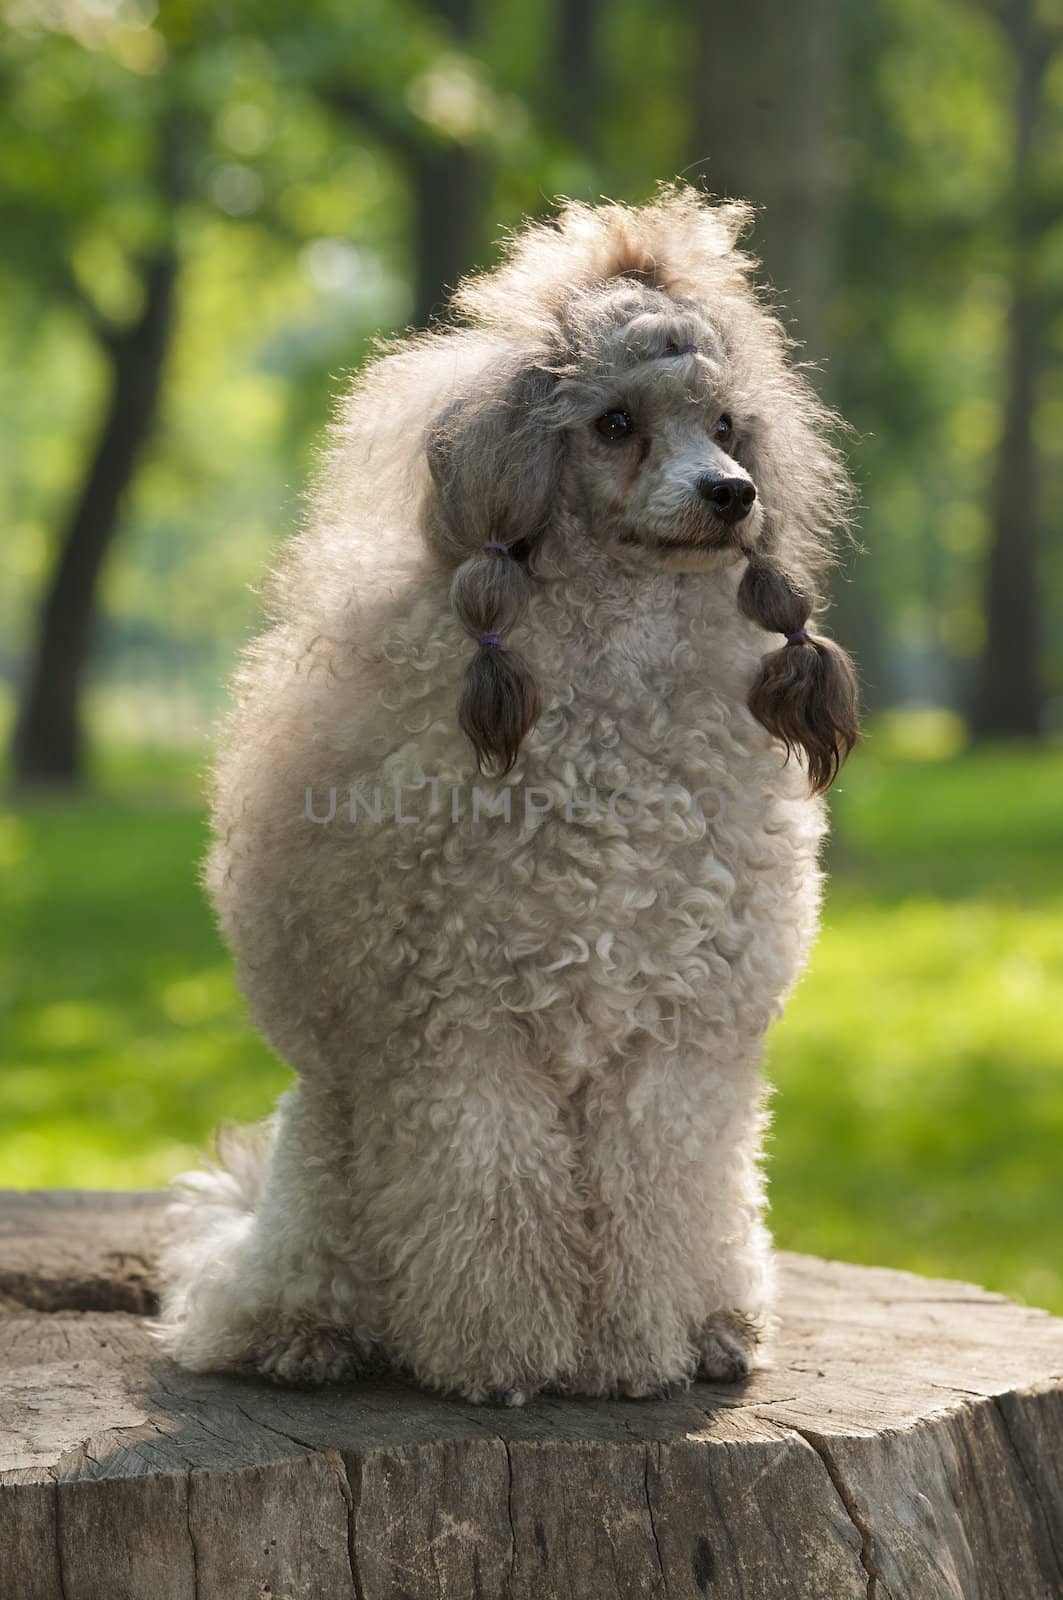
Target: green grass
{"x": 919, "y": 1112}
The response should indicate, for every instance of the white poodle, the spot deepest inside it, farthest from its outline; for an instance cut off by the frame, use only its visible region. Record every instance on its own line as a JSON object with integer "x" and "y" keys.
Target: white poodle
{"x": 516, "y": 833}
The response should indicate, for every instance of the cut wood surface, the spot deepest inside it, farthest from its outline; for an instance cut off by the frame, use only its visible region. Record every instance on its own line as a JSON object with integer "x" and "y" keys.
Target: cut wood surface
{"x": 905, "y": 1443}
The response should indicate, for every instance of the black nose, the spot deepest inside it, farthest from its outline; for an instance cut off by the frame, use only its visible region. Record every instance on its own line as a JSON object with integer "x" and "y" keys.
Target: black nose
{"x": 730, "y": 498}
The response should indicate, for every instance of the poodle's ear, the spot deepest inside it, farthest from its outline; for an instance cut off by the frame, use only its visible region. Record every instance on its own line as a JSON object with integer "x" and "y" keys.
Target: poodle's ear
{"x": 495, "y": 463}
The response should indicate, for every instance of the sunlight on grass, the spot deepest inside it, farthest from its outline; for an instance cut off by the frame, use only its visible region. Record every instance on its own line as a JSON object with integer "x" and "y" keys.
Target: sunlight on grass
{"x": 919, "y": 1105}
{"x": 919, "y": 1114}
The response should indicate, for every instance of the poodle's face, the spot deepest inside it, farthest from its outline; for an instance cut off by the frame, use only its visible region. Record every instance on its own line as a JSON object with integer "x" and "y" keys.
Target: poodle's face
{"x": 661, "y": 450}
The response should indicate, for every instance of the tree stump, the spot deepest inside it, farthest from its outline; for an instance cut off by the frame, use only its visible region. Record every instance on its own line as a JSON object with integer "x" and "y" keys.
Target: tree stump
{"x": 905, "y": 1443}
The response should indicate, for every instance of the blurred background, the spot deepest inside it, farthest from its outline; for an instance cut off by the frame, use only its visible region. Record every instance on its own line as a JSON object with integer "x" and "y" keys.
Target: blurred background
{"x": 209, "y": 211}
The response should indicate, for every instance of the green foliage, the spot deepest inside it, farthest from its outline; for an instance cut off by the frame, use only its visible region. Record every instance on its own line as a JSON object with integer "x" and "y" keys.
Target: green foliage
{"x": 919, "y": 1113}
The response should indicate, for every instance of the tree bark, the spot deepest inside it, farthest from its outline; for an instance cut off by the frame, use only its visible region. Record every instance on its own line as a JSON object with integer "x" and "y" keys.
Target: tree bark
{"x": 49, "y": 739}
{"x": 1008, "y": 697}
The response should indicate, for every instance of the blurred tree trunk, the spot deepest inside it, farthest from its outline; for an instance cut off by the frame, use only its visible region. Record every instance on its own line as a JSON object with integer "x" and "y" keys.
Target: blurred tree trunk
{"x": 570, "y": 99}
{"x": 448, "y": 179}
{"x": 1008, "y": 698}
{"x": 764, "y": 92}
{"x": 766, "y": 89}
{"x": 448, "y": 186}
{"x": 48, "y": 746}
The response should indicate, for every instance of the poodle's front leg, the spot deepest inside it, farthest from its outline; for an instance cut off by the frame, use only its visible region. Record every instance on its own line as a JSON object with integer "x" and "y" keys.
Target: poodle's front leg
{"x": 681, "y": 1256}
{"x": 475, "y": 1217}
{"x": 266, "y": 1272}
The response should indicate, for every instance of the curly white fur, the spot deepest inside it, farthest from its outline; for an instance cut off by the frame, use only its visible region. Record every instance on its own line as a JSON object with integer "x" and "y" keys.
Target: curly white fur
{"x": 523, "y": 1148}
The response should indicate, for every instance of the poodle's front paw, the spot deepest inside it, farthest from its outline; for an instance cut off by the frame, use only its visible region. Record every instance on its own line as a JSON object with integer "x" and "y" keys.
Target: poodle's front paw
{"x": 309, "y": 1356}
{"x": 726, "y": 1345}
{"x": 601, "y": 1385}
{"x": 508, "y": 1397}
{"x": 649, "y": 1386}
{"x": 615, "y": 1372}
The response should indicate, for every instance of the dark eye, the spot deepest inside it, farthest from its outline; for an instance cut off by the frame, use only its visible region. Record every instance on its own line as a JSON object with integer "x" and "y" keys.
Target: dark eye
{"x": 615, "y": 425}
{"x": 723, "y": 428}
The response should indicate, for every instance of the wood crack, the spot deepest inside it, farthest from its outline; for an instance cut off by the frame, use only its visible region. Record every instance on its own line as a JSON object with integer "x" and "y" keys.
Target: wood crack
{"x": 59, "y": 1541}
{"x": 852, "y": 1511}
{"x": 347, "y": 1495}
{"x": 281, "y": 1433}
{"x": 191, "y": 1535}
{"x": 127, "y": 1293}
{"x": 649, "y": 1509}
{"x": 509, "y": 1510}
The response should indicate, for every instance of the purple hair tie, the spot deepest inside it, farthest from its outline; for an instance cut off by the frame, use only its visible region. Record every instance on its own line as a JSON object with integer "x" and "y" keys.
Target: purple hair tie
{"x": 495, "y": 544}
{"x": 490, "y": 638}
{"x": 797, "y": 637}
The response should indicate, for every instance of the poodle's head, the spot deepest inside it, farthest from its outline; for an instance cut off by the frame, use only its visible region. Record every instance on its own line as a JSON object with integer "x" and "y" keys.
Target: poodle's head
{"x": 629, "y": 373}
{"x": 660, "y": 430}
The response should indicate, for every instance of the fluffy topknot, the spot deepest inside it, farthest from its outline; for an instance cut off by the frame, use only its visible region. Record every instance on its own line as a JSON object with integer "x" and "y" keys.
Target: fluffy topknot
{"x": 678, "y": 243}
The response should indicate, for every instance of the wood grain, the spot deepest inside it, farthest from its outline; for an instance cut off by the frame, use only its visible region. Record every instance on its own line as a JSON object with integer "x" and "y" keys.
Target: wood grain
{"x": 906, "y": 1443}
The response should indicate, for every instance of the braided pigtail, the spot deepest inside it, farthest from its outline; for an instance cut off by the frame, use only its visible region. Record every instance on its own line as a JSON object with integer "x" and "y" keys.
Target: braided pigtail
{"x": 499, "y": 701}
{"x": 495, "y": 461}
{"x": 806, "y": 693}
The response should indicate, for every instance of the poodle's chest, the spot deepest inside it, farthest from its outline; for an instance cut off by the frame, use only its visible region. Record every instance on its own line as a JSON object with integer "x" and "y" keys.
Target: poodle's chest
{"x": 670, "y": 881}
{"x": 599, "y": 911}
{"x": 641, "y": 874}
